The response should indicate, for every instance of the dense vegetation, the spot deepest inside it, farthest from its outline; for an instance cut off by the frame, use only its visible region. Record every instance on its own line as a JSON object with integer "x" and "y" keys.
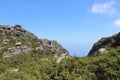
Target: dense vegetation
{"x": 43, "y": 66}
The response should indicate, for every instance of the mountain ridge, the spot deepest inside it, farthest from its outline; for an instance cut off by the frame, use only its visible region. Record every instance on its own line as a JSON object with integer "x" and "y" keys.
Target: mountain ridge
{"x": 104, "y": 44}
{"x": 16, "y": 40}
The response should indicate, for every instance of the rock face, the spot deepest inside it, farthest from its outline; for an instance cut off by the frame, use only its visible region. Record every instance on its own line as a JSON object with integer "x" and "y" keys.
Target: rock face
{"x": 51, "y": 45}
{"x": 16, "y": 40}
{"x": 105, "y": 43}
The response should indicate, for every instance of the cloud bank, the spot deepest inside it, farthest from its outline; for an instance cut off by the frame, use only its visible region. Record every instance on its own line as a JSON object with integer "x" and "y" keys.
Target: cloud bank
{"x": 104, "y": 8}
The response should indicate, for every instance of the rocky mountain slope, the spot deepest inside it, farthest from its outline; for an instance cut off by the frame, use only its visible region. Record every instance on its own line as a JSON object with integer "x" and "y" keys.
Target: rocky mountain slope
{"x": 16, "y": 40}
{"x": 25, "y": 57}
{"x": 105, "y": 44}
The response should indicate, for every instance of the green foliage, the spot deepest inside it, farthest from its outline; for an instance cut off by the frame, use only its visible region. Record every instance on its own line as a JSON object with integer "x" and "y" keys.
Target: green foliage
{"x": 38, "y": 66}
{"x": 2, "y": 68}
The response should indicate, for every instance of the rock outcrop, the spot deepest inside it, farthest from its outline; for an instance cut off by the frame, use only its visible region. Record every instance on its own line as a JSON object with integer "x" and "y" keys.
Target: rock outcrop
{"x": 15, "y": 31}
{"x": 105, "y": 43}
{"x": 16, "y": 40}
{"x": 52, "y": 46}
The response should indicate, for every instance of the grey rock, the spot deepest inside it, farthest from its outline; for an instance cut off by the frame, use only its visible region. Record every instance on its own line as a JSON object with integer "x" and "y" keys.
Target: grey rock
{"x": 11, "y": 48}
{"x": 53, "y": 46}
{"x": 15, "y": 31}
{"x": 39, "y": 48}
{"x": 15, "y": 51}
{"x": 102, "y": 50}
{"x": 60, "y": 58}
{"x": 5, "y": 41}
{"x": 18, "y": 43}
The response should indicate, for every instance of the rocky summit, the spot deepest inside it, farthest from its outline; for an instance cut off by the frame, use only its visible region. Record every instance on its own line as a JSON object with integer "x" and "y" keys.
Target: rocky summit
{"x": 15, "y": 40}
{"x": 105, "y": 44}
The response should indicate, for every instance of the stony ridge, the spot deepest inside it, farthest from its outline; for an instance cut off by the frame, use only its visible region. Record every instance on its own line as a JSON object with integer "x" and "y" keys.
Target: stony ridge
{"x": 15, "y": 31}
{"x": 104, "y": 44}
{"x": 16, "y": 40}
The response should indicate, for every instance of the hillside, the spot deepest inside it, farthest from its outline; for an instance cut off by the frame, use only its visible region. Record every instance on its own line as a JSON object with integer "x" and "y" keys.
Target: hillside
{"x": 25, "y": 57}
{"x": 16, "y": 40}
{"x": 105, "y": 44}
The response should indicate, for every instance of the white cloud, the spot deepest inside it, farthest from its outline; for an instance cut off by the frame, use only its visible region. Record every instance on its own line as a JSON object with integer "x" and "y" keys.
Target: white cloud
{"x": 104, "y": 8}
{"x": 117, "y": 22}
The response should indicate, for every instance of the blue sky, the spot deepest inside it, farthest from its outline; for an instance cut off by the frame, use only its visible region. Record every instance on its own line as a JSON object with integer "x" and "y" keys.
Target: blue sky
{"x": 76, "y": 24}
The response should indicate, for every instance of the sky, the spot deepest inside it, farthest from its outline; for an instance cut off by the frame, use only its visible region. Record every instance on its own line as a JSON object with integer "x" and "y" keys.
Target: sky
{"x": 75, "y": 24}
